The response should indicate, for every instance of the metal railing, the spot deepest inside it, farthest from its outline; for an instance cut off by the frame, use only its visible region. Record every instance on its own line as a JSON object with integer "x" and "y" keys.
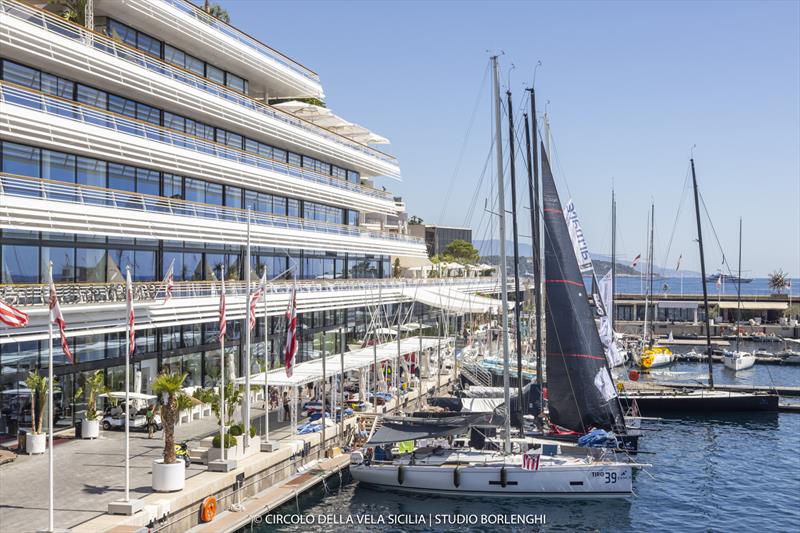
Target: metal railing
{"x": 127, "y": 53}
{"x": 52, "y": 105}
{"x": 27, "y": 187}
{"x": 36, "y": 294}
{"x": 241, "y": 37}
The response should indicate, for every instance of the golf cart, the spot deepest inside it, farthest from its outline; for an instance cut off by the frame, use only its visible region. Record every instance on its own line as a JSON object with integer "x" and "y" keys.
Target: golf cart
{"x": 114, "y": 415}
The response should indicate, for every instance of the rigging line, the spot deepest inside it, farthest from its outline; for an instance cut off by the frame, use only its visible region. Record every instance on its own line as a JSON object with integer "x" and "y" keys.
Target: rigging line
{"x": 464, "y": 143}
{"x": 474, "y": 200}
{"x": 684, "y": 194}
{"x": 716, "y": 237}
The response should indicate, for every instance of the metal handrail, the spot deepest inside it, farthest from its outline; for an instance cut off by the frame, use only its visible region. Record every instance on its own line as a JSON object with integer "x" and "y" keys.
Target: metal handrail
{"x": 36, "y": 294}
{"x": 16, "y": 95}
{"x": 25, "y": 186}
{"x": 127, "y": 53}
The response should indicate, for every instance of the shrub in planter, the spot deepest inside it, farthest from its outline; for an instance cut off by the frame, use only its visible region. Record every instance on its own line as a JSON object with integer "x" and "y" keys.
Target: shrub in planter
{"x": 168, "y": 473}
{"x": 35, "y": 441}
{"x": 95, "y": 384}
{"x": 230, "y": 441}
{"x": 236, "y": 430}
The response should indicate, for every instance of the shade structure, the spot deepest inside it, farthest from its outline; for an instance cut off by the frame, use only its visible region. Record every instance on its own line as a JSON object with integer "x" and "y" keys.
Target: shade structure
{"x": 455, "y": 301}
{"x": 311, "y": 371}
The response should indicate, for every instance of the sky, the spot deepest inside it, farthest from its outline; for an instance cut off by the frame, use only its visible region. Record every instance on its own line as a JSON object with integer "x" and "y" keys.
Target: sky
{"x": 630, "y": 89}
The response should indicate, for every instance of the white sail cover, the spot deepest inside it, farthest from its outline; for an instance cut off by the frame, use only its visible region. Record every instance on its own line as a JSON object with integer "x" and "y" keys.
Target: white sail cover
{"x": 606, "y": 333}
{"x": 603, "y": 382}
{"x": 578, "y": 239}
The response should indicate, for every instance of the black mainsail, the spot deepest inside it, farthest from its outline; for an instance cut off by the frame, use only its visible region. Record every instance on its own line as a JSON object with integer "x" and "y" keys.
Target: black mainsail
{"x": 581, "y": 394}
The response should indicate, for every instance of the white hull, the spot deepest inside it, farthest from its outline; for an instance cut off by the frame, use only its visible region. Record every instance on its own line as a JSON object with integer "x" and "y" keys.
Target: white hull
{"x": 738, "y": 360}
{"x": 662, "y": 359}
{"x": 574, "y": 479}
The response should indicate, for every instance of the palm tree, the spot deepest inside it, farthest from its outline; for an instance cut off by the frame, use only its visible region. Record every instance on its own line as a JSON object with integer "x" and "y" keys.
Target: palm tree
{"x": 216, "y": 11}
{"x": 38, "y": 386}
{"x": 72, "y": 10}
{"x": 168, "y": 387}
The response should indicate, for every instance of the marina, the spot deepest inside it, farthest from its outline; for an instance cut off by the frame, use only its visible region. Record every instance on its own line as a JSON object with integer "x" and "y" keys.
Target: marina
{"x": 226, "y": 307}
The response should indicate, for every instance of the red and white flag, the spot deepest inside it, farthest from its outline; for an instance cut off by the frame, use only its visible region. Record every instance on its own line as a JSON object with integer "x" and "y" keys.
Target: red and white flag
{"x": 223, "y": 320}
{"x": 254, "y": 298}
{"x": 131, "y": 314}
{"x": 291, "y": 333}
{"x": 169, "y": 281}
{"x": 636, "y": 261}
{"x": 530, "y": 461}
{"x": 11, "y": 316}
{"x": 58, "y": 319}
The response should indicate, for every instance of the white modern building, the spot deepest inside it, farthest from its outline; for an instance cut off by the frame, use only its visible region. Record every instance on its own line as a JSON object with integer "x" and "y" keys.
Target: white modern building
{"x": 139, "y": 138}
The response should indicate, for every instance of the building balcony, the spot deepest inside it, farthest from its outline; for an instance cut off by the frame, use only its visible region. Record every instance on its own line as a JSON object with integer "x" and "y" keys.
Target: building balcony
{"x": 42, "y": 205}
{"x": 32, "y": 117}
{"x": 39, "y": 38}
{"x": 187, "y": 26}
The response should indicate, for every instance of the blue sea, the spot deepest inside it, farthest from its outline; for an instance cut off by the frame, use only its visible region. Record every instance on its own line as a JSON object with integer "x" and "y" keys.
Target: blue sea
{"x": 677, "y": 286}
{"x": 709, "y": 473}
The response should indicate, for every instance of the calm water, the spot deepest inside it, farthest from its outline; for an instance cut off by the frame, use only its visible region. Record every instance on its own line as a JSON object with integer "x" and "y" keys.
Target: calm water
{"x": 713, "y": 473}
{"x": 637, "y": 285}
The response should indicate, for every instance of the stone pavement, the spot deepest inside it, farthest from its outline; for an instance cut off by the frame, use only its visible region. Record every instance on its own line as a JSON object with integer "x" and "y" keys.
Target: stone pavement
{"x": 89, "y": 474}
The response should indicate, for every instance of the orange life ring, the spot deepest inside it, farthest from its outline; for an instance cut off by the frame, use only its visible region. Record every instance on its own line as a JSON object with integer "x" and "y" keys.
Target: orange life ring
{"x": 209, "y": 509}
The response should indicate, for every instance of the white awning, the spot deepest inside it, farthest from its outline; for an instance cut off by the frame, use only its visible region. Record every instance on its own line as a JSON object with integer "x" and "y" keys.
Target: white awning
{"x": 756, "y": 306}
{"x": 119, "y": 395}
{"x": 311, "y": 371}
{"x": 324, "y": 117}
{"x": 455, "y": 301}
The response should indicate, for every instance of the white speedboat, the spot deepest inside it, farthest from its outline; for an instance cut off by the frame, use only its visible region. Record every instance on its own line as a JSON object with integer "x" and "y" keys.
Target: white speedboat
{"x": 738, "y": 360}
{"x": 491, "y": 473}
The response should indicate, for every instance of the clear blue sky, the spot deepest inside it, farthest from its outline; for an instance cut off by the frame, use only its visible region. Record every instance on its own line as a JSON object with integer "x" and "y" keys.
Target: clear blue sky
{"x": 632, "y": 86}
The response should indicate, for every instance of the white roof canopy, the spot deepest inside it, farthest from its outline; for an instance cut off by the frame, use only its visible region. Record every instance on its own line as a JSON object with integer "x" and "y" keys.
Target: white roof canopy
{"x": 324, "y": 117}
{"x": 310, "y": 371}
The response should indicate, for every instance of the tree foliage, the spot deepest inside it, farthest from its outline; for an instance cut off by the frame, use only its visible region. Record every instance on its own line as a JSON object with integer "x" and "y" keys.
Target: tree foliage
{"x": 216, "y": 11}
{"x": 71, "y": 10}
{"x": 460, "y": 252}
{"x": 168, "y": 387}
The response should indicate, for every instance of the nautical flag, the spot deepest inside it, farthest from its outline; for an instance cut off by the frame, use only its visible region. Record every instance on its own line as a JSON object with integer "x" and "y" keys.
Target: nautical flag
{"x": 679, "y": 262}
{"x": 223, "y": 321}
{"x": 254, "y": 298}
{"x": 58, "y": 319}
{"x": 131, "y": 314}
{"x": 169, "y": 281}
{"x": 291, "y": 333}
{"x": 636, "y": 261}
{"x": 530, "y": 461}
{"x": 11, "y": 316}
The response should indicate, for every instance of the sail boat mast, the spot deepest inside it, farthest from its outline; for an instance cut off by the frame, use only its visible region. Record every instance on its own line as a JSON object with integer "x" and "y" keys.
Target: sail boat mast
{"x": 703, "y": 275}
{"x": 613, "y": 257}
{"x": 533, "y": 194}
{"x": 501, "y": 212}
{"x": 515, "y": 233}
{"x": 738, "y": 287}
{"x": 649, "y": 273}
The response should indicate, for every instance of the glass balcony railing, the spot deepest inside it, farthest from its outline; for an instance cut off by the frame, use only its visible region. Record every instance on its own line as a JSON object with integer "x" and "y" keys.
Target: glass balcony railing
{"x": 241, "y": 37}
{"x": 27, "y": 187}
{"x": 121, "y": 51}
{"x": 19, "y": 96}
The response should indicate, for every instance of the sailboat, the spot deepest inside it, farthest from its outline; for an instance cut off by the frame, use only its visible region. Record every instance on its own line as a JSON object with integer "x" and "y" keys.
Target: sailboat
{"x": 652, "y": 355}
{"x": 736, "y": 359}
{"x": 527, "y": 469}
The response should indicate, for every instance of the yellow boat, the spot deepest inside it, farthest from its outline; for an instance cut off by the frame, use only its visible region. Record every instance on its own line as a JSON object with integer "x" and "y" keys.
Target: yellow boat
{"x": 656, "y": 356}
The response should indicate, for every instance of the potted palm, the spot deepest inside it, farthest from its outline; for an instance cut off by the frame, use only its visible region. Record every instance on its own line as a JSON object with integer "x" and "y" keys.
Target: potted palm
{"x": 233, "y": 397}
{"x": 168, "y": 473}
{"x": 36, "y": 440}
{"x": 90, "y": 425}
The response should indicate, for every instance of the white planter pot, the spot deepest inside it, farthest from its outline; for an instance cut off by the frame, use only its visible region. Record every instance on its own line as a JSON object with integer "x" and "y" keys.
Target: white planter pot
{"x": 35, "y": 444}
{"x": 90, "y": 429}
{"x": 215, "y": 454}
{"x": 168, "y": 478}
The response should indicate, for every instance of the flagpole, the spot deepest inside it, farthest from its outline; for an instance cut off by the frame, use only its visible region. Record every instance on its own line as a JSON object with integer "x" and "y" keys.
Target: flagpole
{"x": 222, "y": 374}
{"x": 128, "y": 326}
{"x": 50, "y": 405}
{"x": 247, "y": 339}
{"x": 266, "y": 366}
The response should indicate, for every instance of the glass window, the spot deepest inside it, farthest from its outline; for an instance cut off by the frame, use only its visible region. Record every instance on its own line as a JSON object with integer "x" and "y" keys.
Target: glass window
{"x": 192, "y": 335}
{"x": 194, "y": 190}
{"x": 199, "y": 129}
{"x": 173, "y": 121}
{"x": 89, "y": 348}
{"x": 58, "y": 86}
{"x": 213, "y": 194}
{"x": 195, "y": 65}
{"x": 63, "y": 263}
{"x": 293, "y": 207}
{"x": 353, "y": 176}
{"x": 295, "y": 159}
{"x": 90, "y": 265}
{"x": 215, "y": 74}
{"x": 192, "y": 365}
{"x": 145, "y": 266}
{"x": 279, "y": 205}
{"x": 214, "y": 264}
{"x": 122, "y": 32}
{"x": 228, "y": 138}
{"x": 21, "y": 75}
{"x": 176, "y": 260}
{"x": 92, "y": 96}
{"x": 233, "y": 197}
{"x": 58, "y": 166}
{"x": 123, "y": 106}
{"x": 174, "y": 56}
{"x": 235, "y": 82}
{"x": 91, "y": 172}
{"x": 352, "y": 217}
{"x": 148, "y": 114}
{"x": 147, "y": 182}
{"x": 212, "y": 360}
{"x": 121, "y": 177}
{"x": 20, "y": 264}
{"x": 193, "y": 267}
{"x": 148, "y": 44}
{"x": 279, "y": 155}
{"x": 339, "y": 172}
{"x": 116, "y": 262}
{"x": 21, "y": 159}
{"x": 171, "y": 338}
{"x": 173, "y": 186}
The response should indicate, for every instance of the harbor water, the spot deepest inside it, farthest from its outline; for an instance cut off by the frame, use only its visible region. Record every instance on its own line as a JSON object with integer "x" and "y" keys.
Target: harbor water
{"x": 737, "y": 472}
